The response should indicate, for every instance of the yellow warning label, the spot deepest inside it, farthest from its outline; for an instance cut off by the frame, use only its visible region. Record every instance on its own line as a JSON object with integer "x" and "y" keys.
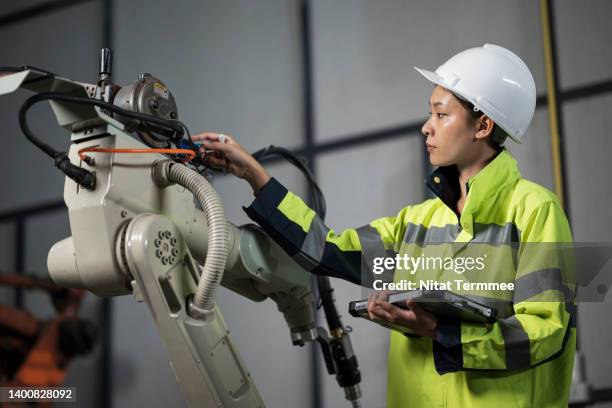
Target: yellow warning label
{"x": 160, "y": 90}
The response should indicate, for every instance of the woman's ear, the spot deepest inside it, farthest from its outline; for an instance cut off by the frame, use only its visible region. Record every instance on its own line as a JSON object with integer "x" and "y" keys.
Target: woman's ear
{"x": 485, "y": 126}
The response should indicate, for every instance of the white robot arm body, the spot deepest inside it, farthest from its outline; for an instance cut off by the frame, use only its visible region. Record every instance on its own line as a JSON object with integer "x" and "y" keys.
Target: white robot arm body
{"x": 137, "y": 232}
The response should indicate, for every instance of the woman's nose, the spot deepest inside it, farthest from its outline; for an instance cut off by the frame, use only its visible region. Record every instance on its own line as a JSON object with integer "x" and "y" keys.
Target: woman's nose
{"x": 426, "y": 129}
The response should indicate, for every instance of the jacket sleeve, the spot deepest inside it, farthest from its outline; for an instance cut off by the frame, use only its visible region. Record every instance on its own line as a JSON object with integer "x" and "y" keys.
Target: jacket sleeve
{"x": 317, "y": 248}
{"x": 544, "y": 307}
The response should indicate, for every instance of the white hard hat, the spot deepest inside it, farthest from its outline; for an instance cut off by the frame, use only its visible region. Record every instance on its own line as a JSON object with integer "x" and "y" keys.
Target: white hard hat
{"x": 496, "y": 81}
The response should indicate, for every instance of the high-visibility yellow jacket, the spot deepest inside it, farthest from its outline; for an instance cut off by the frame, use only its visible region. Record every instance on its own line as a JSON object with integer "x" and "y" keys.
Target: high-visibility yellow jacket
{"x": 525, "y": 358}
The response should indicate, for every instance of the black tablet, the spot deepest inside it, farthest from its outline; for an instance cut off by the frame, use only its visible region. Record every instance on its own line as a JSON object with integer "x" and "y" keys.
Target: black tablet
{"x": 442, "y": 304}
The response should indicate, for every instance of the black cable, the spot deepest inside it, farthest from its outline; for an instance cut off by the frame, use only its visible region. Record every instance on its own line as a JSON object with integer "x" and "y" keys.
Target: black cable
{"x": 164, "y": 123}
{"x": 327, "y": 302}
{"x": 186, "y": 133}
{"x": 82, "y": 176}
{"x": 185, "y": 141}
{"x": 318, "y": 199}
{"x": 173, "y": 124}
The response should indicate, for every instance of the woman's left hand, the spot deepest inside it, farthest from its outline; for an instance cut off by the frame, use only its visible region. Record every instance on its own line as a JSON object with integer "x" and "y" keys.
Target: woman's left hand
{"x": 415, "y": 318}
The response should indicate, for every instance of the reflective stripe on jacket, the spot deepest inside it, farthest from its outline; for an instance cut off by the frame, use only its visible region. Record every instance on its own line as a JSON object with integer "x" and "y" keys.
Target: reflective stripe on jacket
{"x": 525, "y": 358}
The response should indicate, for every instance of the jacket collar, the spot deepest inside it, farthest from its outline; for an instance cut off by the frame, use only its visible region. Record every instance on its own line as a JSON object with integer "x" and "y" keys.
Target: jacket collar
{"x": 501, "y": 171}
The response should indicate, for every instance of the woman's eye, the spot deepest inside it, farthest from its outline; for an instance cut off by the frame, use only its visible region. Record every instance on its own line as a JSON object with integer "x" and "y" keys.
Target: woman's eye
{"x": 437, "y": 114}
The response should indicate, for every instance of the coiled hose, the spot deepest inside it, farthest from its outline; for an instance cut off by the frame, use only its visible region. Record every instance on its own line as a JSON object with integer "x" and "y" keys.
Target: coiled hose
{"x": 218, "y": 232}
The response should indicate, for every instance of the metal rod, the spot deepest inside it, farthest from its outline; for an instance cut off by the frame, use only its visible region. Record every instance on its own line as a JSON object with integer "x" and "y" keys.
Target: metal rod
{"x": 554, "y": 109}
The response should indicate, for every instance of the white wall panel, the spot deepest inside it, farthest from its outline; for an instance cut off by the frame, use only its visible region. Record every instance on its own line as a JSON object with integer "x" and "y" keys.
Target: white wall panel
{"x": 67, "y": 43}
{"x": 233, "y": 66}
{"x": 533, "y": 153}
{"x": 587, "y": 133}
{"x": 365, "y": 52}
{"x": 583, "y": 41}
{"x": 589, "y": 146}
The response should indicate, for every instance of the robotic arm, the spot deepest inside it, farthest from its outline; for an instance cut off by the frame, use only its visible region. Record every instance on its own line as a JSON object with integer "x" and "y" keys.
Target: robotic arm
{"x": 144, "y": 223}
{"x": 139, "y": 232}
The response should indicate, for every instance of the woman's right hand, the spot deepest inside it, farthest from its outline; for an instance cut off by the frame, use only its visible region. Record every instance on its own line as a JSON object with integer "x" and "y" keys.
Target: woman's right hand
{"x": 231, "y": 157}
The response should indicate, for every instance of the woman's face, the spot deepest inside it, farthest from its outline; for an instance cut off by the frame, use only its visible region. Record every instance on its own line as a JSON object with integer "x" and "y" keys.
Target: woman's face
{"x": 449, "y": 131}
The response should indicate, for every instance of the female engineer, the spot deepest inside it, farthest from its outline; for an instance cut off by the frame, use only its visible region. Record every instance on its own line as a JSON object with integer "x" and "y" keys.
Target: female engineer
{"x": 482, "y": 96}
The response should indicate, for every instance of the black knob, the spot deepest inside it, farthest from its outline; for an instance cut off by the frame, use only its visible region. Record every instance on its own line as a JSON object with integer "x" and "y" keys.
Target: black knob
{"x": 106, "y": 61}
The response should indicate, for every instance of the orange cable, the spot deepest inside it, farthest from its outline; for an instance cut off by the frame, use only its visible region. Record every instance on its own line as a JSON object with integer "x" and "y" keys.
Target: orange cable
{"x": 188, "y": 152}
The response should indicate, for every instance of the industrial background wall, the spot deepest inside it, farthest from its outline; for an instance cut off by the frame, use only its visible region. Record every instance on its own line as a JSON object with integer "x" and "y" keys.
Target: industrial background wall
{"x": 333, "y": 80}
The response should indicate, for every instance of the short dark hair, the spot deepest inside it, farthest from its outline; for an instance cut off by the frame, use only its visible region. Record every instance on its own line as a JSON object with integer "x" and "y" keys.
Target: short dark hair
{"x": 498, "y": 136}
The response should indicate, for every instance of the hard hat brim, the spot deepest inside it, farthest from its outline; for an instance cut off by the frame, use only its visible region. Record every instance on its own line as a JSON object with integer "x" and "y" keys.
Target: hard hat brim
{"x": 431, "y": 76}
{"x": 438, "y": 80}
